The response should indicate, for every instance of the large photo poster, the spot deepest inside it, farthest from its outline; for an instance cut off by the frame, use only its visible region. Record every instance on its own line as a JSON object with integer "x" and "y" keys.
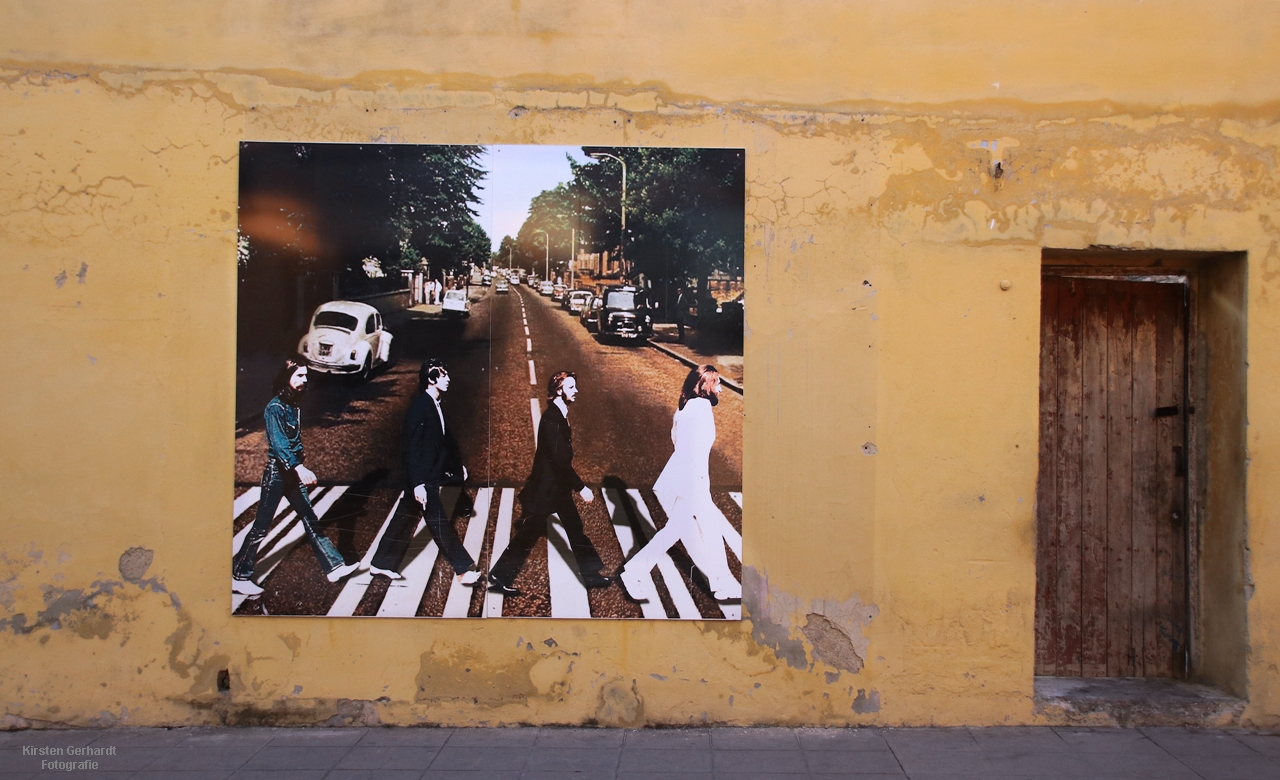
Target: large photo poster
{"x": 489, "y": 381}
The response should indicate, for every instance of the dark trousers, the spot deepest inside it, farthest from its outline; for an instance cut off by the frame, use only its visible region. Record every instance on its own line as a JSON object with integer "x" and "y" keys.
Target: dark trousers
{"x": 276, "y": 481}
{"x": 533, "y": 528}
{"x": 395, "y": 540}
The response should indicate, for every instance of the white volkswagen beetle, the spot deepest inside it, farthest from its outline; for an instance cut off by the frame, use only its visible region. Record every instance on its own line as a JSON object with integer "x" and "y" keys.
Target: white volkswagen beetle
{"x": 346, "y": 338}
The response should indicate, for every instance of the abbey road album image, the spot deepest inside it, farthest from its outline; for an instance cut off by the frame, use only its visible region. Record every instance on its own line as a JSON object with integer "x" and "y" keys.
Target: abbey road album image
{"x": 489, "y": 381}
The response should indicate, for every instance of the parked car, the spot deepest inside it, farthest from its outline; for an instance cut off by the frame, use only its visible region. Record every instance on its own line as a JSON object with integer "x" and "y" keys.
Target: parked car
{"x": 346, "y": 338}
{"x": 576, "y": 299}
{"x": 546, "y": 288}
{"x": 558, "y": 292}
{"x": 501, "y": 286}
{"x": 455, "y": 303}
{"x": 590, "y": 315}
{"x": 731, "y": 314}
{"x": 625, "y": 315}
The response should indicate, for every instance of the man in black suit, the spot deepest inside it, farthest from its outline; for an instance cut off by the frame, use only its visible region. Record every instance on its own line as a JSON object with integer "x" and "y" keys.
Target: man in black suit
{"x": 431, "y": 457}
{"x": 549, "y": 490}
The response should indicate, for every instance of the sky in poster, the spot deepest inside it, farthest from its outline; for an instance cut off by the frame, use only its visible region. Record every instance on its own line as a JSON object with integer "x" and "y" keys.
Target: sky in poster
{"x": 516, "y": 175}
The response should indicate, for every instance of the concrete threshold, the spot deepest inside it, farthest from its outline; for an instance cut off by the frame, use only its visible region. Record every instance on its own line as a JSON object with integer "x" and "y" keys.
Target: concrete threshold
{"x": 1134, "y": 701}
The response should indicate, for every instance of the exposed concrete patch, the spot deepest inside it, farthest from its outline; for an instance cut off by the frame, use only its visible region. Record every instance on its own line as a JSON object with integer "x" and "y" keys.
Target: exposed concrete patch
{"x": 620, "y": 704}
{"x": 134, "y": 563}
{"x": 465, "y": 674}
{"x": 759, "y": 609}
{"x": 833, "y": 628}
{"x": 831, "y": 644}
{"x": 866, "y": 703}
{"x": 355, "y": 712}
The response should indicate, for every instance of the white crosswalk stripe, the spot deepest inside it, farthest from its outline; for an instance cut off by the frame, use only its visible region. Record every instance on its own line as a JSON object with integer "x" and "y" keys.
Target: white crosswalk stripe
{"x": 459, "y": 599}
{"x": 245, "y": 500}
{"x": 238, "y": 540}
{"x": 266, "y": 565}
{"x": 621, "y": 519}
{"x": 568, "y": 594}
{"x": 404, "y": 596}
{"x": 501, "y": 538}
{"x": 354, "y": 589}
{"x": 685, "y": 607}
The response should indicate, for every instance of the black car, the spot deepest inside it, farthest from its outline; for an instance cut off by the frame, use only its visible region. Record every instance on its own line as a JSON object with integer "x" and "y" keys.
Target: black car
{"x": 624, "y": 315}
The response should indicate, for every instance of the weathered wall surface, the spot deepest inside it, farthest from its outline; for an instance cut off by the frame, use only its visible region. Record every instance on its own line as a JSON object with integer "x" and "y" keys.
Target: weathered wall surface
{"x": 892, "y": 425}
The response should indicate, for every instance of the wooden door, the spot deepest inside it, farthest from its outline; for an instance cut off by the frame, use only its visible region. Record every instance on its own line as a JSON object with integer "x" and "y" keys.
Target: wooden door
{"x": 1111, "y": 569}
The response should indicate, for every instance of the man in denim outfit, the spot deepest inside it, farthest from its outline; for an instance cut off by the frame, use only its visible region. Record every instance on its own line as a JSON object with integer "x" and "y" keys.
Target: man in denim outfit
{"x": 285, "y": 475}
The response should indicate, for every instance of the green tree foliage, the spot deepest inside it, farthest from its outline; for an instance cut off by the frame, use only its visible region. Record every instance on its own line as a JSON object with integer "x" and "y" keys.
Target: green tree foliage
{"x": 685, "y": 212}
{"x": 341, "y": 203}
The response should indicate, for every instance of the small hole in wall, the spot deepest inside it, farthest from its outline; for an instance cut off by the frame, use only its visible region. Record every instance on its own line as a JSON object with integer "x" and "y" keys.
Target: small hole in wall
{"x": 224, "y": 681}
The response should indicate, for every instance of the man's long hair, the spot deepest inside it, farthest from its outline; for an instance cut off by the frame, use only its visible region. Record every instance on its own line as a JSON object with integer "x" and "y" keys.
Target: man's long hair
{"x": 698, "y": 385}
{"x": 556, "y": 382}
{"x": 429, "y": 372}
{"x": 280, "y": 385}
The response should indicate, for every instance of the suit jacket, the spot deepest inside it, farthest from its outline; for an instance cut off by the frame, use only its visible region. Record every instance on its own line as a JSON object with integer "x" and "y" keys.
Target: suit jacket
{"x": 552, "y": 478}
{"x": 431, "y": 455}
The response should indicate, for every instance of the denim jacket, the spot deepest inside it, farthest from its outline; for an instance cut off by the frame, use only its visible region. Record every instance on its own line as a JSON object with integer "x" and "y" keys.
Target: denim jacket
{"x": 284, "y": 432}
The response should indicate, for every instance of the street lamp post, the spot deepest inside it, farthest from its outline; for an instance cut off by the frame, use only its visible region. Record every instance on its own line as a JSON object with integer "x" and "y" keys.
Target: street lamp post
{"x": 546, "y": 243}
{"x": 622, "y": 237}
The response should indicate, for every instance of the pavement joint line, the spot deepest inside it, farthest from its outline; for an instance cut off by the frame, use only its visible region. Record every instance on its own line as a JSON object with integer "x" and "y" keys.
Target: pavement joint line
{"x": 724, "y": 380}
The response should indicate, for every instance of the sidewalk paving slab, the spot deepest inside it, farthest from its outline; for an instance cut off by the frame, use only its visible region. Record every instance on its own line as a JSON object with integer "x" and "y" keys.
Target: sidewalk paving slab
{"x": 532, "y": 753}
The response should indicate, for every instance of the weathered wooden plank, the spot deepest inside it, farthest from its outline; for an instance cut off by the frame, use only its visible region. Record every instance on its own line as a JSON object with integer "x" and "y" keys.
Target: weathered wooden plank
{"x": 1046, "y": 483}
{"x": 1068, "y": 478}
{"x": 1166, "y": 646}
{"x": 1147, "y": 500}
{"x": 1093, "y": 478}
{"x": 1120, "y": 605}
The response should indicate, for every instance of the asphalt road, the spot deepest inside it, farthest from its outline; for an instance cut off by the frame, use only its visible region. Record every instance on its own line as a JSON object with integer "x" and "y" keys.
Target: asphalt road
{"x": 621, "y": 423}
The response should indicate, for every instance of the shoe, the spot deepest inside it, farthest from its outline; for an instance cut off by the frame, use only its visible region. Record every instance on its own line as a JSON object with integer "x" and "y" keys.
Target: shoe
{"x": 599, "y": 581}
{"x": 346, "y": 570}
{"x": 469, "y": 577}
{"x": 638, "y": 588}
{"x": 498, "y": 586}
{"x": 388, "y": 573}
{"x": 245, "y": 587}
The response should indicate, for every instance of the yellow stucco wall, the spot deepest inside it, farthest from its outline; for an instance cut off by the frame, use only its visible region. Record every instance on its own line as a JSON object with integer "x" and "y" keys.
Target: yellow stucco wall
{"x": 876, "y": 242}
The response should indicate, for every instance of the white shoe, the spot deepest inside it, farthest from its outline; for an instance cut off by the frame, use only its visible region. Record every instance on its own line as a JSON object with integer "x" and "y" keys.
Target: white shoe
{"x": 388, "y": 573}
{"x": 342, "y": 571}
{"x": 245, "y": 587}
{"x": 469, "y": 577}
{"x": 637, "y": 586}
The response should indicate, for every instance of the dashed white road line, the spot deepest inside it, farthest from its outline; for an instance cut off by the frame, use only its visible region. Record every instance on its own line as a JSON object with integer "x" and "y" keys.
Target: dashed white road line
{"x": 536, "y": 411}
{"x": 528, "y": 345}
{"x": 533, "y": 378}
{"x": 526, "y": 330}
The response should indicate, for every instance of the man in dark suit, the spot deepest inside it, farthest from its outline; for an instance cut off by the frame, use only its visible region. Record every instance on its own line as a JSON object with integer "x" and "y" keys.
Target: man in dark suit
{"x": 549, "y": 490}
{"x": 431, "y": 457}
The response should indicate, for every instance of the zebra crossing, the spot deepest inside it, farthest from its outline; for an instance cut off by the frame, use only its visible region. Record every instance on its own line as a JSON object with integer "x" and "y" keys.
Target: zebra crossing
{"x": 629, "y": 516}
